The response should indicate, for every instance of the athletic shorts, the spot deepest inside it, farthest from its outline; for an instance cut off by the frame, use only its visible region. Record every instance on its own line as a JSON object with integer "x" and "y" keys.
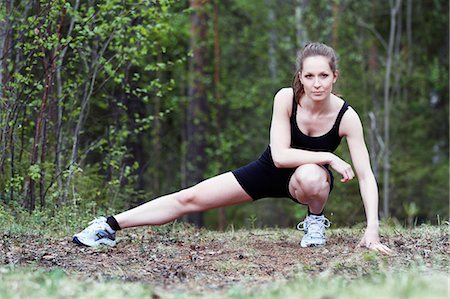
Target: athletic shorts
{"x": 262, "y": 179}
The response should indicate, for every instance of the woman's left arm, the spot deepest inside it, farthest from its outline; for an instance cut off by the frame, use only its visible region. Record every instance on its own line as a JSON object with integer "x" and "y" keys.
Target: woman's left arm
{"x": 351, "y": 128}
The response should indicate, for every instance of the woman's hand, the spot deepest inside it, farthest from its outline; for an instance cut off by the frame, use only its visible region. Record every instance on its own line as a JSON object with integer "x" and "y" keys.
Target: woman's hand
{"x": 371, "y": 240}
{"x": 343, "y": 168}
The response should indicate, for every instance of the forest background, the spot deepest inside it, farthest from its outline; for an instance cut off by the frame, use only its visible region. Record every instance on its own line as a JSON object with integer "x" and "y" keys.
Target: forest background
{"x": 107, "y": 104}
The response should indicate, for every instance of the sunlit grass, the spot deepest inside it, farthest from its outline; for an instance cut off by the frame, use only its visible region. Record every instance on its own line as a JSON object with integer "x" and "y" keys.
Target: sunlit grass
{"x": 33, "y": 283}
{"x": 410, "y": 284}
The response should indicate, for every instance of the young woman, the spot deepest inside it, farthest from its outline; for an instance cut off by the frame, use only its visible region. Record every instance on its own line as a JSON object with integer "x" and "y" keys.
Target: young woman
{"x": 308, "y": 123}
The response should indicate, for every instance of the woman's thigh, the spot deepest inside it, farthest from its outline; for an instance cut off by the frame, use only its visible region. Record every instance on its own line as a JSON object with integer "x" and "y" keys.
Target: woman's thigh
{"x": 219, "y": 191}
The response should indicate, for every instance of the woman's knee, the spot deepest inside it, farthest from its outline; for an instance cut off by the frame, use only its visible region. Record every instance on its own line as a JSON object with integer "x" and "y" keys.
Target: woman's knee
{"x": 188, "y": 200}
{"x": 311, "y": 178}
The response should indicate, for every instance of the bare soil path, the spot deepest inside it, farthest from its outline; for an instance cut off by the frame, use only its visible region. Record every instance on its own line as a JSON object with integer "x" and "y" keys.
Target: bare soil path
{"x": 185, "y": 259}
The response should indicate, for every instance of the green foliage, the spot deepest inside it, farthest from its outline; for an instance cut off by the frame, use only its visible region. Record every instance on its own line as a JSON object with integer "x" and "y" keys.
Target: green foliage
{"x": 120, "y": 71}
{"x": 106, "y": 57}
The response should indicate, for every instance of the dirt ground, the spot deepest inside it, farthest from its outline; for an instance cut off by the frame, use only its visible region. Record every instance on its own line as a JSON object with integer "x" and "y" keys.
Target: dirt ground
{"x": 179, "y": 260}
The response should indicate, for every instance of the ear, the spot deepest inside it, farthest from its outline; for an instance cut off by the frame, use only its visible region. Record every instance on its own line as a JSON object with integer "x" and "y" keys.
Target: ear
{"x": 299, "y": 74}
{"x": 336, "y": 76}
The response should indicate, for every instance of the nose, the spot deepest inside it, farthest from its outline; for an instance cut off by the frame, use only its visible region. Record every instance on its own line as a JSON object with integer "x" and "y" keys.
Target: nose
{"x": 317, "y": 83}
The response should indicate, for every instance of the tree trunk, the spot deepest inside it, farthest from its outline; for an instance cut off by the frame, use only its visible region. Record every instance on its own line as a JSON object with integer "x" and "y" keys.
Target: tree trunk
{"x": 156, "y": 141}
{"x": 5, "y": 53}
{"x": 40, "y": 136}
{"x": 376, "y": 143}
{"x": 273, "y": 67}
{"x": 387, "y": 81}
{"x": 53, "y": 54}
{"x": 5, "y": 38}
{"x": 197, "y": 118}
{"x": 335, "y": 26}
{"x": 60, "y": 107}
{"x": 218, "y": 115}
{"x": 396, "y": 55}
{"x": 409, "y": 41}
{"x": 302, "y": 35}
{"x": 29, "y": 188}
{"x": 42, "y": 190}
{"x": 40, "y": 120}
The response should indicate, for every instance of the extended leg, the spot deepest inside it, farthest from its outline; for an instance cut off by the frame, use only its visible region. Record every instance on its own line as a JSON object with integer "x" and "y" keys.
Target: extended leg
{"x": 219, "y": 191}
{"x": 222, "y": 190}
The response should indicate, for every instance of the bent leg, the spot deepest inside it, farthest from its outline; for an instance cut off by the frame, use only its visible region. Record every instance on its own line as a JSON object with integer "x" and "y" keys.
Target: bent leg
{"x": 222, "y": 190}
{"x": 310, "y": 185}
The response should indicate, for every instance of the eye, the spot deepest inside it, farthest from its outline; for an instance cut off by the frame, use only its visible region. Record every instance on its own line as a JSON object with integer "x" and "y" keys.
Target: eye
{"x": 324, "y": 75}
{"x": 308, "y": 76}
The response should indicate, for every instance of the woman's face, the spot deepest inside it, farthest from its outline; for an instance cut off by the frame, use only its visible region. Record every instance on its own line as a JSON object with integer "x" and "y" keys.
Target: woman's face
{"x": 317, "y": 77}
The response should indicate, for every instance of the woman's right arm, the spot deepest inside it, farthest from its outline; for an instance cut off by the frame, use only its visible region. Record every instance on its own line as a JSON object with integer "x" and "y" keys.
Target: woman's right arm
{"x": 283, "y": 155}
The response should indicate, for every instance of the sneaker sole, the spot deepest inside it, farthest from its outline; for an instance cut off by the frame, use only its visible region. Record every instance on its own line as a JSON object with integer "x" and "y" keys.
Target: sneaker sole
{"x": 76, "y": 241}
{"x": 312, "y": 245}
{"x": 110, "y": 243}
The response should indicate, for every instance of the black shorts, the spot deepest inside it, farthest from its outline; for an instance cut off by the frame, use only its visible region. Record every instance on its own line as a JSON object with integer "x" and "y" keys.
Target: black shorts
{"x": 262, "y": 179}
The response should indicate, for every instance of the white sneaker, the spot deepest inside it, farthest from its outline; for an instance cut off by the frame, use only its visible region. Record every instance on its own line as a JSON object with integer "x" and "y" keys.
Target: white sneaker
{"x": 314, "y": 228}
{"x": 97, "y": 233}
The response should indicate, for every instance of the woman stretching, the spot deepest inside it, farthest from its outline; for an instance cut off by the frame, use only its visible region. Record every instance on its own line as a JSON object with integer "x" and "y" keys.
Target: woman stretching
{"x": 308, "y": 123}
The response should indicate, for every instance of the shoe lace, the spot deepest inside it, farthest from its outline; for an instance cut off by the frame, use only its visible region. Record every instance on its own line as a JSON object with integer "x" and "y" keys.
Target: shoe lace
{"x": 302, "y": 225}
{"x": 314, "y": 225}
{"x": 96, "y": 224}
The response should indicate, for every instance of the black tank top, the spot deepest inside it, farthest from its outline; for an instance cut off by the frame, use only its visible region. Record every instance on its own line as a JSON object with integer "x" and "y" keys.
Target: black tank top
{"x": 325, "y": 143}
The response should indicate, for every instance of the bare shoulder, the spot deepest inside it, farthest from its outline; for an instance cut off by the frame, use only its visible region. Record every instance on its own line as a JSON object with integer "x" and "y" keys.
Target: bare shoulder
{"x": 351, "y": 123}
{"x": 284, "y": 94}
{"x": 351, "y": 115}
{"x": 283, "y": 98}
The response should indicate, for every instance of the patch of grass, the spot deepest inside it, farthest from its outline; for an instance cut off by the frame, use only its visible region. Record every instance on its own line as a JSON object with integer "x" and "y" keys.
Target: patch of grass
{"x": 56, "y": 222}
{"x": 234, "y": 266}
{"x": 409, "y": 285}
{"x": 412, "y": 284}
{"x": 33, "y": 283}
